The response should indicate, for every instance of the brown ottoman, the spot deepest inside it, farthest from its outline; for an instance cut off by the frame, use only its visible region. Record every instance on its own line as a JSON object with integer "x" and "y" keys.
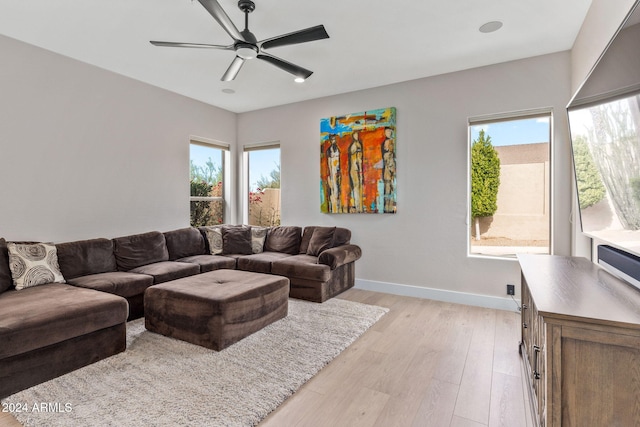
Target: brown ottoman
{"x": 216, "y": 309}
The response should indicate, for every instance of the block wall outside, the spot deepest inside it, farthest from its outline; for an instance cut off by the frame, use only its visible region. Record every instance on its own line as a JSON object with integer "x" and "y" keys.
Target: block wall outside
{"x": 523, "y": 195}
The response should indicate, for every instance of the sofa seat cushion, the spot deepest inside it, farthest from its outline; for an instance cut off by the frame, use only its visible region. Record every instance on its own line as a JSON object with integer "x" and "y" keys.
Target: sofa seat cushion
{"x": 303, "y": 267}
{"x": 260, "y": 263}
{"x": 210, "y": 262}
{"x": 167, "y": 270}
{"x": 48, "y": 314}
{"x": 120, "y": 283}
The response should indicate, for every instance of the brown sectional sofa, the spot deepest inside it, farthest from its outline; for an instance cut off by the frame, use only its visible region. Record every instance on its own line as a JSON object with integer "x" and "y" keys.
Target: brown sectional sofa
{"x": 42, "y": 327}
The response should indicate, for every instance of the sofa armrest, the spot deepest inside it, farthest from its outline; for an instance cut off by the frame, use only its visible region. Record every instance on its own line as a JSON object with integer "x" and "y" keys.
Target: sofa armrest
{"x": 340, "y": 255}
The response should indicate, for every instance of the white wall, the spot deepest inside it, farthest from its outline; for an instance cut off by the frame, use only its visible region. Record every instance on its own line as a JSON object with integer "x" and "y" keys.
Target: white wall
{"x": 424, "y": 245}
{"x": 599, "y": 27}
{"x": 88, "y": 153}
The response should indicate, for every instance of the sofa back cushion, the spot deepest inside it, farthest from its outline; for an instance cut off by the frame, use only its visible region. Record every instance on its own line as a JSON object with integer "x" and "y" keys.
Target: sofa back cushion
{"x": 285, "y": 239}
{"x": 341, "y": 236}
{"x": 321, "y": 239}
{"x": 184, "y": 242}
{"x": 5, "y": 272}
{"x": 86, "y": 257}
{"x": 140, "y": 249}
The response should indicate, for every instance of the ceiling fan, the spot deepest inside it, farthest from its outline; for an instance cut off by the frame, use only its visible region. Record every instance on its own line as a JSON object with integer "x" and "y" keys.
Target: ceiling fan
{"x": 245, "y": 44}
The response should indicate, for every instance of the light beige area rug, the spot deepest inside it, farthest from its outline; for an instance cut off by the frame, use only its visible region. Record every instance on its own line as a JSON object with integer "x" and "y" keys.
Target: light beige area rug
{"x": 160, "y": 381}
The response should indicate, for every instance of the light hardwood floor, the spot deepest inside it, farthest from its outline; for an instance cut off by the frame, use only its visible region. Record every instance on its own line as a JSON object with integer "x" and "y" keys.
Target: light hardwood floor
{"x": 425, "y": 363}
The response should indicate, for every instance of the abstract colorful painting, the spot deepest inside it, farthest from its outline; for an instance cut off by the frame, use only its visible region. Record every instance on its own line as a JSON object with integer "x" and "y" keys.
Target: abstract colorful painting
{"x": 358, "y": 162}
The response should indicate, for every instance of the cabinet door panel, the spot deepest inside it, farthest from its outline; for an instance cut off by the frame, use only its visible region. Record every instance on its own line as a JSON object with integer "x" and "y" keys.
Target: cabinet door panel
{"x": 596, "y": 380}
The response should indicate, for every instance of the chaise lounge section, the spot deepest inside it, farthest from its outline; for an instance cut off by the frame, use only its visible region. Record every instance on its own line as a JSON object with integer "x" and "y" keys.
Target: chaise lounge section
{"x": 51, "y": 329}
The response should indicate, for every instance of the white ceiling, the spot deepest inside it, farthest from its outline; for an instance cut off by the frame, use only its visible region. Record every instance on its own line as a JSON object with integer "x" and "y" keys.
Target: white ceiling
{"x": 372, "y": 42}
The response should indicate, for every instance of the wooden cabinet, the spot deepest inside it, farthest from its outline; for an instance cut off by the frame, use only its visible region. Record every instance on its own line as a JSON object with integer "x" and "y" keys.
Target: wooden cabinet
{"x": 580, "y": 343}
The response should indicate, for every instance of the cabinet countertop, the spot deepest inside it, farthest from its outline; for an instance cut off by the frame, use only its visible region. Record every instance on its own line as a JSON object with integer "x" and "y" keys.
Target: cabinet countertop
{"x": 572, "y": 288}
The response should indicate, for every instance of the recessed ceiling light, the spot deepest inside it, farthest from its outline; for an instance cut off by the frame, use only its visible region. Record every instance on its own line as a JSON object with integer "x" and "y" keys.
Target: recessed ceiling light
{"x": 298, "y": 80}
{"x": 228, "y": 91}
{"x": 490, "y": 27}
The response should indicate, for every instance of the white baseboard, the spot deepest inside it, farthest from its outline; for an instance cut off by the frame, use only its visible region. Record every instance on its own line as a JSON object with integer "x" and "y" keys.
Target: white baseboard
{"x": 438, "y": 294}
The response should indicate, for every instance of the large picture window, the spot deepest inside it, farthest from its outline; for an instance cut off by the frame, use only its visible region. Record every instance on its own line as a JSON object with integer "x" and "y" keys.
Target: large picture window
{"x": 509, "y": 182}
{"x": 206, "y": 178}
{"x": 262, "y": 166}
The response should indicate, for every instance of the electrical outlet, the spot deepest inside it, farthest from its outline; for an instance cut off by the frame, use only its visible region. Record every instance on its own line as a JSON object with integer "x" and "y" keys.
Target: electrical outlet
{"x": 511, "y": 290}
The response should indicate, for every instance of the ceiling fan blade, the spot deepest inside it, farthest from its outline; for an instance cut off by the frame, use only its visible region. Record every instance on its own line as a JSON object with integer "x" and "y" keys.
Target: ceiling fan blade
{"x": 233, "y": 69}
{"x": 296, "y": 70}
{"x": 218, "y": 13}
{"x": 307, "y": 35}
{"x": 194, "y": 45}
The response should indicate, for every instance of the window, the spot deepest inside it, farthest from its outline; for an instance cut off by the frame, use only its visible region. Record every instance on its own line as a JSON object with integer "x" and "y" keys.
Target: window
{"x": 509, "y": 185}
{"x": 262, "y": 163}
{"x": 207, "y": 176}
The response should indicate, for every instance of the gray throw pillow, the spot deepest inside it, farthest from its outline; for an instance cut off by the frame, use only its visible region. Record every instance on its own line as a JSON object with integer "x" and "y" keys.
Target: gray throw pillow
{"x": 321, "y": 240}
{"x": 236, "y": 240}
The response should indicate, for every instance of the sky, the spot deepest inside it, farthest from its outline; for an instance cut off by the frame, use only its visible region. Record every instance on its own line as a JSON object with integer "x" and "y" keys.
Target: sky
{"x": 514, "y": 132}
{"x": 261, "y": 162}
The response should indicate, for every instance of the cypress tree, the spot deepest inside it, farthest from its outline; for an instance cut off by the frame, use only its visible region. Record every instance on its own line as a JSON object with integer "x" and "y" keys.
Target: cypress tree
{"x": 485, "y": 179}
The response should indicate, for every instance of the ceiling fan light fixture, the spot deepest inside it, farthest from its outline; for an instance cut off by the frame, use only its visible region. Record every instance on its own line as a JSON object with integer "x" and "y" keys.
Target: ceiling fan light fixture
{"x": 299, "y": 79}
{"x": 247, "y": 51}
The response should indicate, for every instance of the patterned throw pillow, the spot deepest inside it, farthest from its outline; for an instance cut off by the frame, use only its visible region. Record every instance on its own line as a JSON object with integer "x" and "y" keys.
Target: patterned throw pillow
{"x": 33, "y": 264}
{"x": 214, "y": 237}
{"x": 258, "y": 236}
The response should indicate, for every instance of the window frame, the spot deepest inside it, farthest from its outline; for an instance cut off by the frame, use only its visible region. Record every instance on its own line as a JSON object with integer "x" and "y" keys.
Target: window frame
{"x": 246, "y": 167}
{"x": 508, "y": 117}
{"x": 225, "y": 157}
